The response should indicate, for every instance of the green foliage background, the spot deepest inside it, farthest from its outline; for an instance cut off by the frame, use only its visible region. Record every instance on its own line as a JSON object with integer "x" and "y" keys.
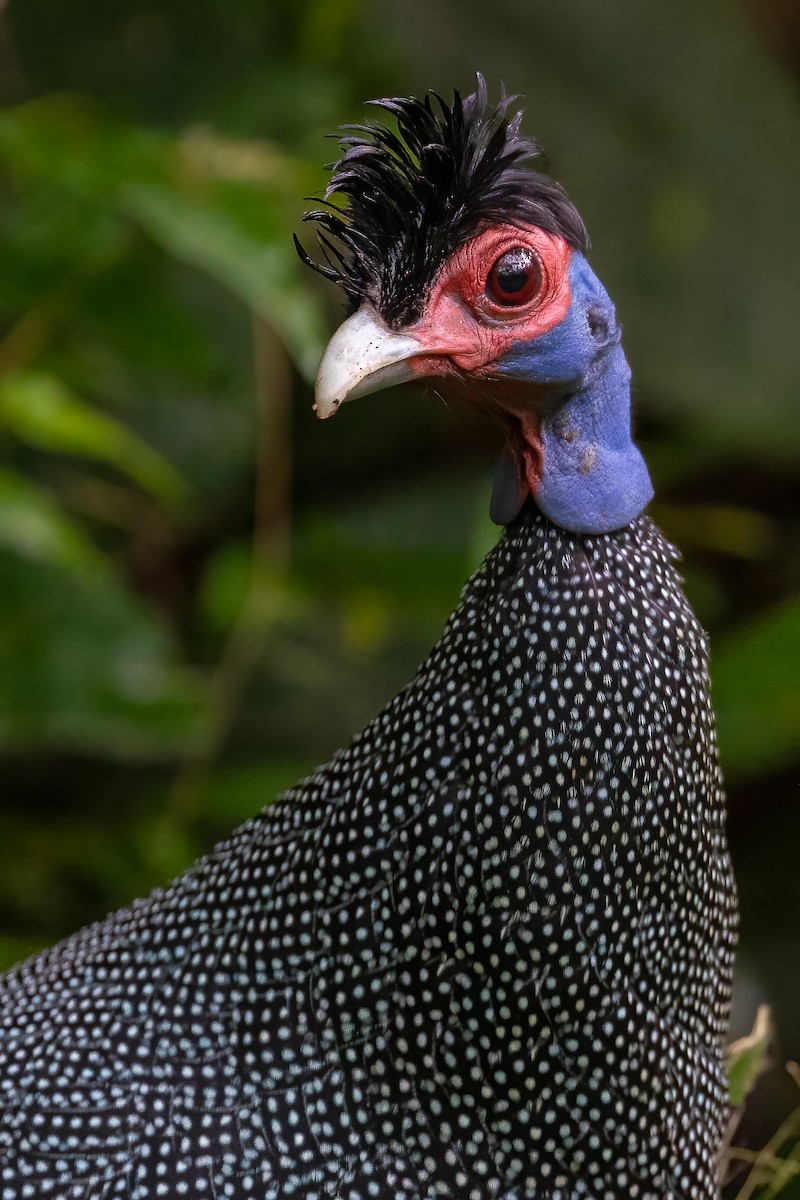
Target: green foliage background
{"x": 203, "y": 592}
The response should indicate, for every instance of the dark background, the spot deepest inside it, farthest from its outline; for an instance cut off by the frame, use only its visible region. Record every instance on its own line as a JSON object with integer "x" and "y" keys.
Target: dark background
{"x": 203, "y": 591}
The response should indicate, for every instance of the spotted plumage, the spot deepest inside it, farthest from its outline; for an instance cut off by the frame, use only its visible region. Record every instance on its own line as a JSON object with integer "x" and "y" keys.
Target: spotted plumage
{"x": 484, "y": 952}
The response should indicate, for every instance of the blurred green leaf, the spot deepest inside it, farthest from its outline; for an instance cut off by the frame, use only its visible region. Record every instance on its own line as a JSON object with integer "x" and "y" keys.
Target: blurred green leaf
{"x": 262, "y": 272}
{"x": 257, "y": 163}
{"x": 719, "y": 528}
{"x": 224, "y": 206}
{"x": 39, "y": 410}
{"x": 136, "y": 313}
{"x": 237, "y": 792}
{"x": 64, "y": 144}
{"x": 225, "y": 585}
{"x": 756, "y": 692}
{"x": 57, "y": 686}
{"x": 15, "y": 949}
{"x": 32, "y": 526}
{"x": 747, "y": 1057}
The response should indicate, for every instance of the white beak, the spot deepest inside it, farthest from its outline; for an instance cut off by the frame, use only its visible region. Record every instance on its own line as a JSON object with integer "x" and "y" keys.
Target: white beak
{"x": 363, "y": 356}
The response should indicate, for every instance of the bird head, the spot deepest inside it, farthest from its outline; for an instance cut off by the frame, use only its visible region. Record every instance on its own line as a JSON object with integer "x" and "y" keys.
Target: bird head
{"x": 465, "y": 266}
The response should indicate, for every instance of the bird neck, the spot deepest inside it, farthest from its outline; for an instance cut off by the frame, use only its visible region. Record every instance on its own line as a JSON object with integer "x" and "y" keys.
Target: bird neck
{"x": 593, "y": 478}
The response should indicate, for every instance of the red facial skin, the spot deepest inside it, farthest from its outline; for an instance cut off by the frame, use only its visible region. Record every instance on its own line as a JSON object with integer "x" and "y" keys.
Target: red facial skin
{"x": 462, "y": 323}
{"x": 464, "y": 331}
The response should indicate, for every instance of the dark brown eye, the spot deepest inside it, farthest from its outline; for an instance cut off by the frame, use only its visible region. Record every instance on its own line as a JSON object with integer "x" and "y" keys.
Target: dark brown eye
{"x": 515, "y": 278}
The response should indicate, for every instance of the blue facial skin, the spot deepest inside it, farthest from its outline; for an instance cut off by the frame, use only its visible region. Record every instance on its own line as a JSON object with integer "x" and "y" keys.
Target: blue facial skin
{"x": 594, "y": 479}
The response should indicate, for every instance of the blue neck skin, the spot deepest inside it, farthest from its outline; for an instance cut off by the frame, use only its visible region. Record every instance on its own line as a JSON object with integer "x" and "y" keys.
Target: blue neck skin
{"x": 594, "y": 480}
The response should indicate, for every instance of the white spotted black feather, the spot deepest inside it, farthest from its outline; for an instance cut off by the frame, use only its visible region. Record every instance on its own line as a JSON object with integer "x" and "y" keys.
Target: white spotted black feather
{"x": 484, "y": 953}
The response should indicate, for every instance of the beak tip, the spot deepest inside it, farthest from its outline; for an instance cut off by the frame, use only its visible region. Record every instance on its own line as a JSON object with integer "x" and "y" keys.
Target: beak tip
{"x": 327, "y": 408}
{"x": 363, "y": 356}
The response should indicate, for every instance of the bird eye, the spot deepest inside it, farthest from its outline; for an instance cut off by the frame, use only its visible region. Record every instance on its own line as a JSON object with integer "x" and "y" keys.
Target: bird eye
{"x": 515, "y": 278}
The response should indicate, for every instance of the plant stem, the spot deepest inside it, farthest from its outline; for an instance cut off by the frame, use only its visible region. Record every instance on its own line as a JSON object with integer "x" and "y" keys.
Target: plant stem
{"x": 270, "y": 547}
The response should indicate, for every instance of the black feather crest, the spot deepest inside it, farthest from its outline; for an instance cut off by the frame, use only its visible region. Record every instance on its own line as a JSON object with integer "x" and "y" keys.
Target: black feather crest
{"x": 415, "y": 196}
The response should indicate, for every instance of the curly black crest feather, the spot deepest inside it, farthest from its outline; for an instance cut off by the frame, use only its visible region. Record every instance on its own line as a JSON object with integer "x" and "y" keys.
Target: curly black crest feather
{"x": 415, "y": 196}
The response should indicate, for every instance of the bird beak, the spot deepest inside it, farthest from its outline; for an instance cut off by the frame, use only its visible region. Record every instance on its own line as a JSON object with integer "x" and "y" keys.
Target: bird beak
{"x": 363, "y": 356}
